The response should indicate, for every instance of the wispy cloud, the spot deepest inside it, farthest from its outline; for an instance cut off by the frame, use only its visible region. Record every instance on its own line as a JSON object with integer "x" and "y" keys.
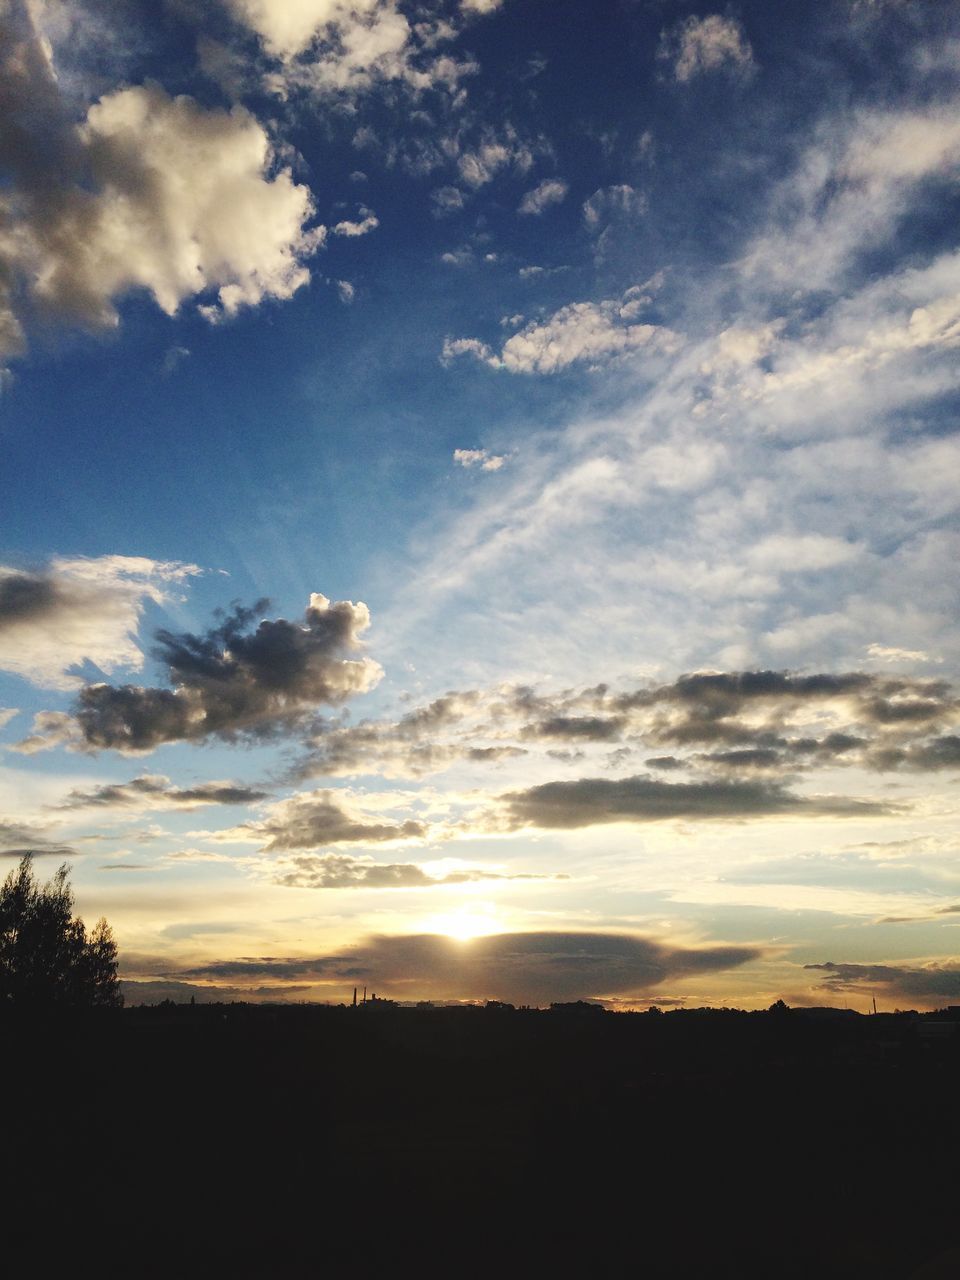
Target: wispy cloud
{"x": 699, "y": 46}
{"x": 76, "y": 610}
{"x": 549, "y": 192}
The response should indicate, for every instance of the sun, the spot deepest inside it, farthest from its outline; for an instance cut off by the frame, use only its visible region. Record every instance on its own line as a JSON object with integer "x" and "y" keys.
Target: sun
{"x": 478, "y": 920}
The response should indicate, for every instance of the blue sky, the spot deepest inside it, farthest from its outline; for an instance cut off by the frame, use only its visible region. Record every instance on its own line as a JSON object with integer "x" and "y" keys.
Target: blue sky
{"x": 606, "y": 352}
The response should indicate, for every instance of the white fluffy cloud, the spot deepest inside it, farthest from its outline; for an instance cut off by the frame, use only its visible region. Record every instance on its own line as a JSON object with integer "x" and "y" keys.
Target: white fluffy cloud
{"x": 79, "y": 610}
{"x": 290, "y": 27}
{"x": 147, "y": 192}
{"x": 345, "y": 46}
{"x": 366, "y": 222}
{"x": 468, "y": 458}
{"x": 187, "y": 205}
{"x": 591, "y": 333}
{"x": 480, "y": 6}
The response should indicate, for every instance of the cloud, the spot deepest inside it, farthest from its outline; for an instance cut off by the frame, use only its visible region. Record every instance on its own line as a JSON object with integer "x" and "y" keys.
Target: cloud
{"x": 49, "y": 729}
{"x": 935, "y": 982}
{"x": 480, "y": 7}
{"x": 593, "y": 333}
{"x": 887, "y": 653}
{"x": 454, "y": 347}
{"x": 549, "y": 192}
{"x": 368, "y": 222}
{"x": 289, "y": 28}
{"x": 854, "y": 184}
{"x": 427, "y": 739}
{"x": 524, "y": 968}
{"x": 174, "y": 356}
{"x": 468, "y": 458}
{"x": 233, "y": 684}
{"x": 930, "y": 915}
{"x": 775, "y": 722}
{"x": 577, "y": 728}
{"x": 620, "y": 200}
{"x": 313, "y": 819}
{"x": 701, "y": 45}
{"x": 592, "y": 801}
{"x": 925, "y": 757}
{"x": 79, "y": 610}
{"x": 342, "y": 871}
{"x": 447, "y": 199}
{"x": 709, "y": 707}
{"x": 17, "y": 840}
{"x": 347, "y": 47}
{"x": 154, "y": 791}
{"x": 147, "y": 192}
{"x": 480, "y": 164}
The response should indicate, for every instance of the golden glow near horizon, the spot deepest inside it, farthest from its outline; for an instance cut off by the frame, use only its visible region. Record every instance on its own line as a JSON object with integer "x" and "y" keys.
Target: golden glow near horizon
{"x": 473, "y": 920}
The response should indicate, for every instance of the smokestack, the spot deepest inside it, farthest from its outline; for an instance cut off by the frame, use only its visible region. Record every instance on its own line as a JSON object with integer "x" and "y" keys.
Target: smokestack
{"x": 364, "y": 995}
{"x": 354, "y": 997}
{"x": 874, "y": 1004}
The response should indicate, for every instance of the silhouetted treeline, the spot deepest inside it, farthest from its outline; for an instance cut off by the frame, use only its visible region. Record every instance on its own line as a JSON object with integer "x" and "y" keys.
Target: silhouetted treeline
{"x": 304, "y": 1140}
{"x": 47, "y": 958}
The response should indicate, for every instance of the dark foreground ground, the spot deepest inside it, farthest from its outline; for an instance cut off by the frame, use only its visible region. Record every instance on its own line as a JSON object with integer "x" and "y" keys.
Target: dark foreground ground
{"x": 242, "y": 1140}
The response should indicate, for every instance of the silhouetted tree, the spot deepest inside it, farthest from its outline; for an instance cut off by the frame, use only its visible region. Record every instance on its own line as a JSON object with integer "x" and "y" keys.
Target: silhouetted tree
{"x": 46, "y": 957}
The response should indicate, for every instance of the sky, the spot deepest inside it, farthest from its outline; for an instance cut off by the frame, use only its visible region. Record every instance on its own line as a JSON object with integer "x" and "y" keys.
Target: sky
{"x": 478, "y": 495}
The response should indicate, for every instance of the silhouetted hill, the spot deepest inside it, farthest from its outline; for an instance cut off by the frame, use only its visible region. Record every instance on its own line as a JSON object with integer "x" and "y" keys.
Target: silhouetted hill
{"x": 467, "y": 1141}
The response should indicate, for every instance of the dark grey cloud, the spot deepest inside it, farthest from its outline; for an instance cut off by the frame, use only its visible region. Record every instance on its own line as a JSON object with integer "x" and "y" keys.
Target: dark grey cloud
{"x": 444, "y": 711}
{"x": 26, "y": 596}
{"x": 156, "y": 791}
{"x": 590, "y": 801}
{"x": 930, "y": 984}
{"x": 233, "y": 682}
{"x": 726, "y": 693}
{"x": 745, "y": 720}
{"x": 928, "y": 757}
{"x": 318, "y": 818}
{"x": 279, "y": 968}
{"x": 341, "y": 871}
{"x": 492, "y": 755}
{"x": 913, "y": 710}
{"x": 524, "y": 968}
{"x": 726, "y": 722}
{"x": 588, "y": 728}
{"x": 703, "y": 709}
{"x": 941, "y": 911}
{"x": 746, "y": 758}
{"x": 17, "y": 840}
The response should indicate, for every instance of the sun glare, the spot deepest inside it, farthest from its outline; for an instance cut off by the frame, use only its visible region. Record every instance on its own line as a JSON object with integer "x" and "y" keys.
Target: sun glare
{"x": 479, "y": 920}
